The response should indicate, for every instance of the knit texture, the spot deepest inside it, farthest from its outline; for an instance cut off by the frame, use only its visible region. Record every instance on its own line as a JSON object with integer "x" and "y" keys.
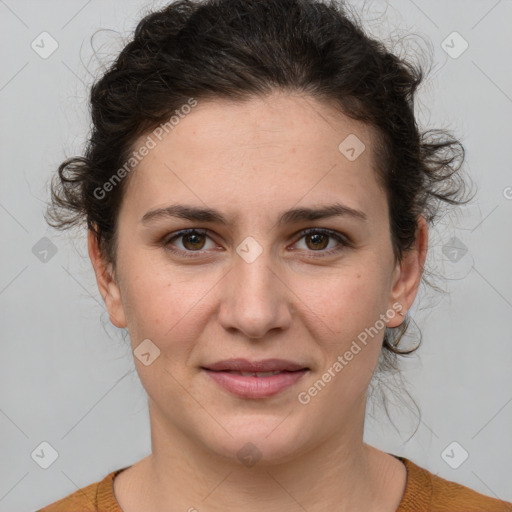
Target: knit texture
{"x": 424, "y": 492}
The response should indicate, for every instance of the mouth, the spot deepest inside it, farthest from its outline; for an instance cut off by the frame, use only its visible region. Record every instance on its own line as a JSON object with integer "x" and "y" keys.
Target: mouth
{"x": 253, "y": 374}
{"x": 255, "y": 379}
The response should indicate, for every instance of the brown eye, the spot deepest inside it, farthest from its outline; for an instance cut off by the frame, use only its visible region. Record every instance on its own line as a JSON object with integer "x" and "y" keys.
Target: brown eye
{"x": 193, "y": 241}
{"x": 318, "y": 240}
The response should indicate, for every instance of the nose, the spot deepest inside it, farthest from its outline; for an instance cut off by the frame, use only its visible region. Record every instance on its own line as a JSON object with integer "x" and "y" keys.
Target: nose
{"x": 255, "y": 298}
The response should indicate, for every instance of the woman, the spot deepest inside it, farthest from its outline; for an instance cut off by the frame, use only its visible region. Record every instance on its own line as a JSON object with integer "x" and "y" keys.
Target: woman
{"x": 258, "y": 198}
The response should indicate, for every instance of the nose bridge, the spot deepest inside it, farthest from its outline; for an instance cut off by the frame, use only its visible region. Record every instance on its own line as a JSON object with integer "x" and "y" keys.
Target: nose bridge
{"x": 255, "y": 300}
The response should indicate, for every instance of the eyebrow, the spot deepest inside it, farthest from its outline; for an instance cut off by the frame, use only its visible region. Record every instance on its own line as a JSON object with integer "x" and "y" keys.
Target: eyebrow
{"x": 292, "y": 216}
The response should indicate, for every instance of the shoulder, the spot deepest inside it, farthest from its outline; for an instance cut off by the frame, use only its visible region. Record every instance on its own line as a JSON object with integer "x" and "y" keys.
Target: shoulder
{"x": 92, "y": 498}
{"x": 451, "y": 494}
{"x": 433, "y": 493}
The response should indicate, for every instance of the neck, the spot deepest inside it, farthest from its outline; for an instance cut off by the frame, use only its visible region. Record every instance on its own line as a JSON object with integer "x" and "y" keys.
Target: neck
{"x": 341, "y": 473}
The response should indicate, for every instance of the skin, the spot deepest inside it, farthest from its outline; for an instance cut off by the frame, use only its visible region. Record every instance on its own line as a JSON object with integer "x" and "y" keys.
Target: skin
{"x": 251, "y": 161}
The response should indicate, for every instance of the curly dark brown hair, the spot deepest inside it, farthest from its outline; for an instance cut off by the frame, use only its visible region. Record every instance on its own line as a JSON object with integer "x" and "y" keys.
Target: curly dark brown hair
{"x": 238, "y": 49}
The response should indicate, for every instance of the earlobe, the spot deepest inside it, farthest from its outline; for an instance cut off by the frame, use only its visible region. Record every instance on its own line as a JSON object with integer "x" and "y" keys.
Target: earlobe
{"x": 407, "y": 275}
{"x": 107, "y": 285}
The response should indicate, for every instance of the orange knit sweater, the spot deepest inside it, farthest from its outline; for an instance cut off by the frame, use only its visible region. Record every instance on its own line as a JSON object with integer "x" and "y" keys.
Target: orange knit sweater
{"x": 424, "y": 492}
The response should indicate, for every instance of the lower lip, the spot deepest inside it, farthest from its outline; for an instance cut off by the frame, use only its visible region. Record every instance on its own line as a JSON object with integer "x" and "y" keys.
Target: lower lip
{"x": 255, "y": 387}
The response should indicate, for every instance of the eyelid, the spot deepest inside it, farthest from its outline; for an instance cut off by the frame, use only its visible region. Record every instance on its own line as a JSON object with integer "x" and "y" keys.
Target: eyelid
{"x": 341, "y": 237}
{"x": 179, "y": 234}
{"x": 344, "y": 241}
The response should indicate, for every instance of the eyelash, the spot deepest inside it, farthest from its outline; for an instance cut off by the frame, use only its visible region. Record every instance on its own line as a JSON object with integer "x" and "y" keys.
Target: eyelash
{"x": 343, "y": 240}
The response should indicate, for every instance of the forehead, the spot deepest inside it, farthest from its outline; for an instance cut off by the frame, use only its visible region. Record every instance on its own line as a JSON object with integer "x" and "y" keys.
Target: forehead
{"x": 278, "y": 149}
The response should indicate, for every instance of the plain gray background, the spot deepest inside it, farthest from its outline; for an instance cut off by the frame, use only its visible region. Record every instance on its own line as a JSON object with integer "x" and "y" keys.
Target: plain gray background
{"x": 67, "y": 377}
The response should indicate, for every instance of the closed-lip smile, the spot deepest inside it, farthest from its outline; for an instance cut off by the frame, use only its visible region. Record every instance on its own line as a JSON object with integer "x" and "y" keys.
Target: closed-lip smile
{"x": 255, "y": 379}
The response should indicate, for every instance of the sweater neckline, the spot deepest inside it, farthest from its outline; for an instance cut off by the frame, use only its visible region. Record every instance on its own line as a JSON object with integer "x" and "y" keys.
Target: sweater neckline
{"x": 414, "y": 494}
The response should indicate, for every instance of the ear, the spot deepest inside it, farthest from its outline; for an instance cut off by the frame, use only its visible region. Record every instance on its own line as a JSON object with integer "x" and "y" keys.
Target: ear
{"x": 107, "y": 285}
{"x": 407, "y": 274}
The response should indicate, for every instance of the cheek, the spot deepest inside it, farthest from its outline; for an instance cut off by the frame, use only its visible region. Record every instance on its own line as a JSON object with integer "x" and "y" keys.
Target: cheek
{"x": 345, "y": 302}
{"x": 161, "y": 309}
{"x": 164, "y": 305}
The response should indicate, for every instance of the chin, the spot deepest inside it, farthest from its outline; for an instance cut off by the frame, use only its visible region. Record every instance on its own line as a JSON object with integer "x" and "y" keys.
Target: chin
{"x": 261, "y": 441}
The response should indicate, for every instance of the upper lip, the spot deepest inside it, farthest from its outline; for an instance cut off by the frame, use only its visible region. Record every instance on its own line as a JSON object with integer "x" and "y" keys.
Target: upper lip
{"x": 266, "y": 365}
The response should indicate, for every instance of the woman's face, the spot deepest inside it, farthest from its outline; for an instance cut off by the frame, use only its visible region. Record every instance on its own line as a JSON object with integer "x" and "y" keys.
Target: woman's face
{"x": 253, "y": 292}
